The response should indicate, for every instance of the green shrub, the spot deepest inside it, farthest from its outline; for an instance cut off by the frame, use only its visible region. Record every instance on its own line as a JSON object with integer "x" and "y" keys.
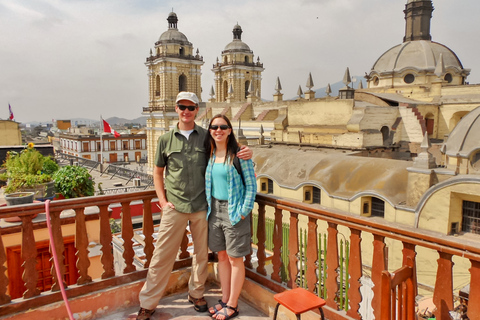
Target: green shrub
{"x": 73, "y": 182}
{"x": 26, "y": 169}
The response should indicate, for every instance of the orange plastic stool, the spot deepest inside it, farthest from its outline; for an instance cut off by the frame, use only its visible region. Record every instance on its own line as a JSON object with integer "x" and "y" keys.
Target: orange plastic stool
{"x": 298, "y": 301}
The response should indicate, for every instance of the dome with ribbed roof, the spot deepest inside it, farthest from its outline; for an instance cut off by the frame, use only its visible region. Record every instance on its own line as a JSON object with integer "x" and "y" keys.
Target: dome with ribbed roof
{"x": 421, "y": 55}
{"x": 172, "y": 34}
{"x": 463, "y": 141}
{"x": 237, "y": 44}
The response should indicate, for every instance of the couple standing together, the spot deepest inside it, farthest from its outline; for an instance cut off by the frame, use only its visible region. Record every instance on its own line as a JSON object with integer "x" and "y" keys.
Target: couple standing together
{"x": 203, "y": 189}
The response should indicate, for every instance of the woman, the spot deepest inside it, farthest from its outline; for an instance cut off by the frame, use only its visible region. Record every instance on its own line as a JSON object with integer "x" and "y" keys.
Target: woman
{"x": 230, "y": 195}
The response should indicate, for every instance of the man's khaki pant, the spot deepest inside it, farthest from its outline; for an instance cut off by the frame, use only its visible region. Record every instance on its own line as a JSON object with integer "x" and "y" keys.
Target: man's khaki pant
{"x": 170, "y": 235}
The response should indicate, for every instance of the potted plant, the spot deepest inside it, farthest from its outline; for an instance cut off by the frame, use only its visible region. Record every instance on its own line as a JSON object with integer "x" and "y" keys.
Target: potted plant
{"x": 15, "y": 198}
{"x": 29, "y": 171}
{"x": 73, "y": 182}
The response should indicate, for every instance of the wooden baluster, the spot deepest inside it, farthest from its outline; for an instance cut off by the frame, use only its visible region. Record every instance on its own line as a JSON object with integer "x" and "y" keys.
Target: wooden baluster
{"x": 148, "y": 231}
{"x": 277, "y": 246}
{"x": 106, "y": 242}
{"x": 59, "y": 248}
{"x": 127, "y": 236}
{"x": 293, "y": 250}
{"x": 81, "y": 244}
{"x": 443, "y": 292}
{"x": 378, "y": 265}
{"x": 409, "y": 255}
{"x": 474, "y": 295}
{"x": 261, "y": 240}
{"x": 355, "y": 272}
{"x": 184, "y": 246}
{"x": 248, "y": 258}
{"x": 4, "y": 297}
{"x": 29, "y": 256}
{"x": 332, "y": 266}
{"x": 312, "y": 254}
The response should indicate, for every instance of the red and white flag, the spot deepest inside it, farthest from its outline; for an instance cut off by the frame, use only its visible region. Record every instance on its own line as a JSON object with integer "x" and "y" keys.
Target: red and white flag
{"x": 11, "y": 117}
{"x": 108, "y": 128}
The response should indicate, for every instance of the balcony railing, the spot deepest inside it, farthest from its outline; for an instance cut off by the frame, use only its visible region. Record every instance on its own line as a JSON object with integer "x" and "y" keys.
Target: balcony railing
{"x": 317, "y": 270}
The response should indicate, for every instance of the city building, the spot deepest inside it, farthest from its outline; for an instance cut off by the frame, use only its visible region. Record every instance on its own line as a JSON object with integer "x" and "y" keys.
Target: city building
{"x": 125, "y": 148}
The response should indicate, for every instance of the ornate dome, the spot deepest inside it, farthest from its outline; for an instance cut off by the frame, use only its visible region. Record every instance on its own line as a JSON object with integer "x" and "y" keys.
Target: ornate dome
{"x": 172, "y": 34}
{"x": 463, "y": 140}
{"x": 421, "y": 55}
{"x": 237, "y": 44}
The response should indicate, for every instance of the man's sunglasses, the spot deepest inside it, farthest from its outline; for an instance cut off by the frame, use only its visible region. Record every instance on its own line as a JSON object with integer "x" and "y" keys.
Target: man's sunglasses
{"x": 223, "y": 127}
{"x": 190, "y": 108}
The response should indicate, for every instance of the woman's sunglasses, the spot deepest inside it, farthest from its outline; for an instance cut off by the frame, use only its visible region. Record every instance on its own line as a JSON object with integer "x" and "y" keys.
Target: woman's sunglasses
{"x": 222, "y": 127}
{"x": 190, "y": 108}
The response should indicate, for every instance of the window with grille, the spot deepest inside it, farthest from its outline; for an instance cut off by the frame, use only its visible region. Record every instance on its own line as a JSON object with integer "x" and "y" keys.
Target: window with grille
{"x": 378, "y": 208}
{"x": 471, "y": 217}
{"x": 316, "y": 195}
{"x": 270, "y": 186}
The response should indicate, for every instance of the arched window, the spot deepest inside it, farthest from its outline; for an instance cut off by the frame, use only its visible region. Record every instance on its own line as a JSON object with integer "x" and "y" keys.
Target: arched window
{"x": 372, "y": 207}
{"x": 225, "y": 90}
{"x": 429, "y": 123}
{"x": 246, "y": 59}
{"x": 378, "y": 208}
{"x": 266, "y": 185}
{"x": 182, "y": 83}
{"x": 157, "y": 86}
{"x": 247, "y": 84}
{"x": 181, "y": 51}
{"x": 385, "y": 136}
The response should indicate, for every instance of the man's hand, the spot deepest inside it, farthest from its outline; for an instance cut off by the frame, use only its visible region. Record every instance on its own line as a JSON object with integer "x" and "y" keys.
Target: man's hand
{"x": 245, "y": 153}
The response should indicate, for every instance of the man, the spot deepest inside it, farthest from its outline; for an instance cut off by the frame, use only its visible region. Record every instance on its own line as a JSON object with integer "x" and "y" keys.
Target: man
{"x": 181, "y": 195}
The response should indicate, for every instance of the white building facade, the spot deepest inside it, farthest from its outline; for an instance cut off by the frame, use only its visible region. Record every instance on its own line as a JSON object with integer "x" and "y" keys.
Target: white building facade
{"x": 126, "y": 148}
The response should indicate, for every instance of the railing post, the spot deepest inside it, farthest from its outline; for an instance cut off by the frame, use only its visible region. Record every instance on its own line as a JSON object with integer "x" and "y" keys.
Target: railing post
{"x": 312, "y": 254}
{"x": 293, "y": 250}
{"x": 29, "y": 255}
{"x": 378, "y": 265}
{"x": 355, "y": 272}
{"x": 277, "y": 246}
{"x": 4, "y": 297}
{"x": 184, "y": 254}
{"x": 332, "y": 266}
{"x": 106, "y": 242}
{"x": 59, "y": 248}
{"x": 443, "y": 292}
{"x": 127, "y": 236}
{"x": 474, "y": 295}
{"x": 81, "y": 244}
{"x": 409, "y": 259}
{"x": 148, "y": 231}
{"x": 261, "y": 240}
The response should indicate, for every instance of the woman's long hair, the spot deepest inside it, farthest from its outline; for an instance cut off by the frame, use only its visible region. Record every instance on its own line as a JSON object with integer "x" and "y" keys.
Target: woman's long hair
{"x": 232, "y": 144}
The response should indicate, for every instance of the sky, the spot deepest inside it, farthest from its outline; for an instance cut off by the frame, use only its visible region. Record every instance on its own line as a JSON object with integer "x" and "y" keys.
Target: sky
{"x": 64, "y": 59}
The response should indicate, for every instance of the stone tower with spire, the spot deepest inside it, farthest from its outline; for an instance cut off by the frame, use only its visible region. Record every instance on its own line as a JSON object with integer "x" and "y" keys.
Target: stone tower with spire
{"x": 172, "y": 67}
{"x": 237, "y": 75}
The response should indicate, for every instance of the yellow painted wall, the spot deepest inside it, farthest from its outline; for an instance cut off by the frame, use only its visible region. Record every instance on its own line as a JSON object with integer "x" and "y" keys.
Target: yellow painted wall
{"x": 10, "y": 134}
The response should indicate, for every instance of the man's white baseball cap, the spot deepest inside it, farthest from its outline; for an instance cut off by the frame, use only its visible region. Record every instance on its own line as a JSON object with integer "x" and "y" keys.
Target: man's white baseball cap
{"x": 190, "y": 96}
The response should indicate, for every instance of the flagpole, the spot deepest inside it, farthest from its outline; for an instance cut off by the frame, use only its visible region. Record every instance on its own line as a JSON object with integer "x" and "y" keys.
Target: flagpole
{"x": 101, "y": 142}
